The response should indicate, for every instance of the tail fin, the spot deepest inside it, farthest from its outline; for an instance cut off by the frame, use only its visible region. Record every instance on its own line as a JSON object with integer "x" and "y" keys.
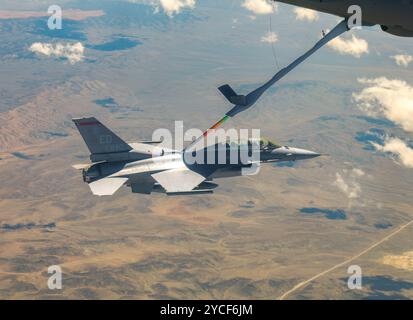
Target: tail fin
{"x": 98, "y": 138}
{"x": 231, "y": 95}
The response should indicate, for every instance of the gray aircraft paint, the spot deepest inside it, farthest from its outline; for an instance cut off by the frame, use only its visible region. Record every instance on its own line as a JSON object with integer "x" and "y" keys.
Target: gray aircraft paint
{"x": 167, "y": 170}
{"x": 394, "y": 16}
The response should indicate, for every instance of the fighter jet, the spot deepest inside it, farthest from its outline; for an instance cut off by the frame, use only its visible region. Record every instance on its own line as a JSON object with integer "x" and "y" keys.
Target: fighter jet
{"x": 394, "y": 16}
{"x": 146, "y": 168}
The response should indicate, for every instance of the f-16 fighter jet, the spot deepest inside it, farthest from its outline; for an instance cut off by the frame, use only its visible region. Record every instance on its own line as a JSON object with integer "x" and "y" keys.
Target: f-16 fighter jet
{"x": 147, "y": 168}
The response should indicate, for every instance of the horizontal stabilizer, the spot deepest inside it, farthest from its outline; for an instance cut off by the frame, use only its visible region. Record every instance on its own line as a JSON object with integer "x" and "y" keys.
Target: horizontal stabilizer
{"x": 178, "y": 180}
{"x": 106, "y": 186}
{"x": 231, "y": 95}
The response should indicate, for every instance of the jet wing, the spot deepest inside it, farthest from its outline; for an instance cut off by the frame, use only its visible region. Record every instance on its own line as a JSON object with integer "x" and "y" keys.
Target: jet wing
{"x": 178, "y": 180}
{"x": 106, "y": 186}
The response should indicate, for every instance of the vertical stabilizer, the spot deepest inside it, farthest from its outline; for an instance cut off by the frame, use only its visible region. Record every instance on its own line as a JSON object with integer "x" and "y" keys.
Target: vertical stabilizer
{"x": 98, "y": 138}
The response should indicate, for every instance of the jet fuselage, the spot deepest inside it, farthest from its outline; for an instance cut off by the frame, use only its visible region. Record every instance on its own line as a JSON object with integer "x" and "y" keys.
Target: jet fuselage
{"x": 136, "y": 170}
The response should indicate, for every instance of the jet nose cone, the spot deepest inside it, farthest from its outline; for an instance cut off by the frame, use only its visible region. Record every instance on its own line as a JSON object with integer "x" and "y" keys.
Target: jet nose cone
{"x": 313, "y": 154}
{"x": 306, "y": 154}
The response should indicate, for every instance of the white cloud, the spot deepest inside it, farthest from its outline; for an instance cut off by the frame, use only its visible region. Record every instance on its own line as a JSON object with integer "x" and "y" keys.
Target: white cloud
{"x": 270, "y": 37}
{"x": 390, "y": 98}
{"x": 399, "y": 148}
{"x": 306, "y": 14}
{"x": 402, "y": 60}
{"x": 260, "y": 6}
{"x": 73, "y": 52}
{"x": 347, "y": 182}
{"x": 170, "y": 7}
{"x": 354, "y": 46}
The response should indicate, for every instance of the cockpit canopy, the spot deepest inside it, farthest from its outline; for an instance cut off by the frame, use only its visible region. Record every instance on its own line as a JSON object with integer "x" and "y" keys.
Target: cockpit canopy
{"x": 264, "y": 144}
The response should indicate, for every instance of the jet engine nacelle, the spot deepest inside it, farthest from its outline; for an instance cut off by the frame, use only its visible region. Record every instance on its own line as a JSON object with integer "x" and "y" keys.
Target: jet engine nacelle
{"x": 397, "y": 31}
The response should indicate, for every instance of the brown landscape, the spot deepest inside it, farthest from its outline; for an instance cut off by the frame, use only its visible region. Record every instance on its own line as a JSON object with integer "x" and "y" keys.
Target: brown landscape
{"x": 246, "y": 241}
{"x": 255, "y": 237}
